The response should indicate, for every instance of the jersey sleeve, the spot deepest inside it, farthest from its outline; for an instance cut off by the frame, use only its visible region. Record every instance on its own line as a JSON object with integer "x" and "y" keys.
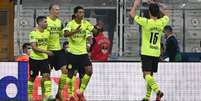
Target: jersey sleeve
{"x": 165, "y": 20}
{"x": 88, "y": 33}
{"x": 61, "y": 34}
{"x": 32, "y": 37}
{"x": 90, "y": 27}
{"x": 141, "y": 20}
{"x": 68, "y": 27}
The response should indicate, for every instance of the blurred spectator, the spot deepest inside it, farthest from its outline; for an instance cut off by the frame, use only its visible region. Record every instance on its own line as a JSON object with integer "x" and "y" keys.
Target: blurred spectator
{"x": 171, "y": 45}
{"x": 65, "y": 46}
{"x": 26, "y": 49}
{"x": 162, "y": 52}
{"x": 63, "y": 56}
{"x": 101, "y": 45}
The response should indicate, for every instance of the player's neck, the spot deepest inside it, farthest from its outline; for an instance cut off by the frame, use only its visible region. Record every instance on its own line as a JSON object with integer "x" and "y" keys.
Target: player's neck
{"x": 78, "y": 21}
{"x": 170, "y": 35}
{"x": 52, "y": 17}
{"x": 40, "y": 29}
{"x": 153, "y": 17}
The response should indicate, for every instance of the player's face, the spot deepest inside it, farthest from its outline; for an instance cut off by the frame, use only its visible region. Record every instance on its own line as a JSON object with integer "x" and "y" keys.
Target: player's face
{"x": 166, "y": 33}
{"x": 43, "y": 23}
{"x": 104, "y": 49}
{"x": 55, "y": 10}
{"x": 80, "y": 14}
{"x": 28, "y": 50}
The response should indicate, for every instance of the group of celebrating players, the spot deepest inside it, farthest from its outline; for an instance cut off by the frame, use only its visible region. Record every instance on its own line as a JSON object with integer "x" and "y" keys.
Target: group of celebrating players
{"x": 47, "y": 52}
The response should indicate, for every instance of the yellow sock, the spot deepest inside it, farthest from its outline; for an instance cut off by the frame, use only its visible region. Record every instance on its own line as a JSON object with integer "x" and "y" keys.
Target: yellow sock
{"x": 152, "y": 83}
{"x": 148, "y": 92}
{"x": 84, "y": 82}
{"x": 62, "y": 81}
{"x": 30, "y": 89}
{"x": 71, "y": 86}
{"x": 48, "y": 87}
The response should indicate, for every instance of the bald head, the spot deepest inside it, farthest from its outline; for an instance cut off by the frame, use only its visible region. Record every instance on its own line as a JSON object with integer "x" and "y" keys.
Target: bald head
{"x": 54, "y": 10}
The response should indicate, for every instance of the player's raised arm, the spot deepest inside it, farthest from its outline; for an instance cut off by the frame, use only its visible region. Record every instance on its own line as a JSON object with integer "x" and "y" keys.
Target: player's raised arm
{"x": 136, "y": 3}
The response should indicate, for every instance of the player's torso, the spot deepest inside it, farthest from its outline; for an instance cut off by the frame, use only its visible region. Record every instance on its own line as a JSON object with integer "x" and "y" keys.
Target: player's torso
{"x": 151, "y": 38}
{"x": 42, "y": 43}
{"x": 84, "y": 30}
{"x": 77, "y": 42}
{"x": 55, "y": 29}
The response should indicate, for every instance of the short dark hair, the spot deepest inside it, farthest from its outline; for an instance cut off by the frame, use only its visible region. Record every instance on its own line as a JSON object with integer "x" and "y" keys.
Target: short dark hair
{"x": 25, "y": 45}
{"x": 40, "y": 18}
{"x": 154, "y": 9}
{"x": 168, "y": 28}
{"x": 51, "y": 5}
{"x": 77, "y": 8}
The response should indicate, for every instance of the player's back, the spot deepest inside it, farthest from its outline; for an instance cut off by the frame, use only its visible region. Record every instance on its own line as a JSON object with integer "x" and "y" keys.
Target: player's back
{"x": 152, "y": 30}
